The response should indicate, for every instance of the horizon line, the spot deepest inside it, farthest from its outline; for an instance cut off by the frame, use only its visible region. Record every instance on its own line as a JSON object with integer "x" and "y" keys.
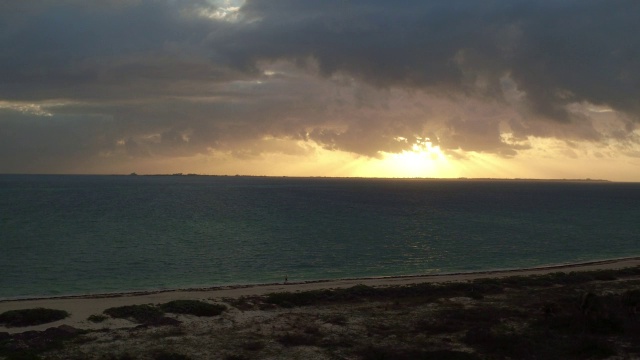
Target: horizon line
{"x": 461, "y": 178}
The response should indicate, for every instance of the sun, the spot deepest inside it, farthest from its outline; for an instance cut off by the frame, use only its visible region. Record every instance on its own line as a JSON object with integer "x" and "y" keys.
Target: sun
{"x": 423, "y": 160}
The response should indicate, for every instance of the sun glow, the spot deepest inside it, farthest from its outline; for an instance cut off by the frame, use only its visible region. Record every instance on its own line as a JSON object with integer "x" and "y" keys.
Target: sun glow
{"x": 423, "y": 160}
{"x": 288, "y": 157}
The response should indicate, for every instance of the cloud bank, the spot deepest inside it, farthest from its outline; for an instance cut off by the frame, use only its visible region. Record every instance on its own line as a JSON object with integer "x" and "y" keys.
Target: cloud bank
{"x": 111, "y": 81}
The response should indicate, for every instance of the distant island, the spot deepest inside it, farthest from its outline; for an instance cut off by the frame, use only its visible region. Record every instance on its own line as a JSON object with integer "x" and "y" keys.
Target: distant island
{"x": 381, "y": 178}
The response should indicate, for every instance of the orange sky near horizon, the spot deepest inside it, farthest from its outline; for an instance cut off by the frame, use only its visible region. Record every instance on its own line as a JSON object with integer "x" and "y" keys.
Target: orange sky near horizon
{"x": 419, "y": 163}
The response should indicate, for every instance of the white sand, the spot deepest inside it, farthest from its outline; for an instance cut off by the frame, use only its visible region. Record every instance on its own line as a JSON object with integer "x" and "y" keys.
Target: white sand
{"x": 81, "y": 307}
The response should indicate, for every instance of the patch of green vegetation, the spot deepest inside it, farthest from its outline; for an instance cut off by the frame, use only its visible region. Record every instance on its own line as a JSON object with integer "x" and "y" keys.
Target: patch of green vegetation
{"x": 138, "y": 313}
{"x": 29, "y": 317}
{"x": 97, "y": 318}
{"x": 193, "y": 307}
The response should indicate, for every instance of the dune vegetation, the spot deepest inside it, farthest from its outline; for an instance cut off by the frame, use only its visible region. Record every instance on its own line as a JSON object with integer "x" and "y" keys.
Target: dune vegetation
{"x": 573, "y": 315}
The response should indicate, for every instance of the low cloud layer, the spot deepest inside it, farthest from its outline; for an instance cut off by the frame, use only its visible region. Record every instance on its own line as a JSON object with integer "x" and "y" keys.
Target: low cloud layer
{"x": 117, "y": 81}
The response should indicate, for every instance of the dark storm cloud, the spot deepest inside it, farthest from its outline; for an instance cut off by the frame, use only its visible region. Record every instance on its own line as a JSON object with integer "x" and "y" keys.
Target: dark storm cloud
{"x": 557, "y": 52}
{"x": 30, "y": 143}
{"x": 157, "y": 78}
{"x": 76, "y": 49}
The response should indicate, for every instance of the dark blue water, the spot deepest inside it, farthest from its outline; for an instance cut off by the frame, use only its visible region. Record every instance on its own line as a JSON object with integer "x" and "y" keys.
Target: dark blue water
{"x": 92, "y": 234}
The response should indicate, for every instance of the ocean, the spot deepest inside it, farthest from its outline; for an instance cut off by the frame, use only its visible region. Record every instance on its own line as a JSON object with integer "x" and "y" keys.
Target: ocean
{"x": 73, "y": 235}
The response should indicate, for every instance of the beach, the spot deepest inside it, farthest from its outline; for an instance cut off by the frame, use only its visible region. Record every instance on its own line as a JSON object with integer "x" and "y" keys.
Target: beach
{"x": 81, "y": 307}
{"x": 568, "y": 311}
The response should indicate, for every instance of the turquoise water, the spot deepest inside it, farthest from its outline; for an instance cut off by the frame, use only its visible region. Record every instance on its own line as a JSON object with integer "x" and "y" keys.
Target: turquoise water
{"x": 63, "y": 235}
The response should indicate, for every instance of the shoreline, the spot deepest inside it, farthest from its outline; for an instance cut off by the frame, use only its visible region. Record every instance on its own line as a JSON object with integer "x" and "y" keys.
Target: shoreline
{"x": 467, "y": 275}
{"x": 82, "y": 306}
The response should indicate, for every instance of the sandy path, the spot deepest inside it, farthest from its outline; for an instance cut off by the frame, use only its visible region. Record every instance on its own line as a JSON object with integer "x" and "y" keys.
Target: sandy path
{"x": 82, "y": 307}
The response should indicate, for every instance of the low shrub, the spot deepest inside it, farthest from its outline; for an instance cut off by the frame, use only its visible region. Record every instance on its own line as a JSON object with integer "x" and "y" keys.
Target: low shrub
{"x": 337, "y": 319}
{"x": 394, "y": 353}
{"x": 631, "y": 298}
{"x": 291, "y": 299}
{"x": 24, "y": 355}
{"x": 124, "y": 356}
{"x": 563, "y": 278}
{"x": 253, "y": 345}
{"x": 97, "y": 318}
{"x": 503, "y": 343}
{"x": 593, "y": 348}
{"x": 480, "y": 315}
{"x": 168, "y": 331}
{"x": 165, "y": 355}
{"x": 236, "y": 357}
{"x": 297, "y": 339}
{"x": 29, "y": 317}
{"x": 311, "y": 297}
{"x": 193, "y": 307}
{"x": 433, "y": 327}
{"x": 137, "y": 313}
{"x": 426, "y": 291}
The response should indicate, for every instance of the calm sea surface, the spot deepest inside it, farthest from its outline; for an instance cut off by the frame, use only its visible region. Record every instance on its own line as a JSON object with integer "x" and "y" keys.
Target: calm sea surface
{"x": 64, "y": 235}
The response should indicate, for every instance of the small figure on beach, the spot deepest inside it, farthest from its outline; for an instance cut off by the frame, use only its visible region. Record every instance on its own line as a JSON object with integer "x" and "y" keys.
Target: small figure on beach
{"x": 286, "y": 279}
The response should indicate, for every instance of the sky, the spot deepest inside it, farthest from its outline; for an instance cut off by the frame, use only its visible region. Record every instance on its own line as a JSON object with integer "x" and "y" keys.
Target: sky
{"x": 411, "y": 88}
